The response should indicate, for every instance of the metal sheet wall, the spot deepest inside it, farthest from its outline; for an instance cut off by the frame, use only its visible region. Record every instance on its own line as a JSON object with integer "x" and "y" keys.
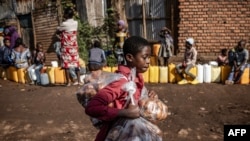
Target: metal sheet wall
{"x": 156, "y": 17}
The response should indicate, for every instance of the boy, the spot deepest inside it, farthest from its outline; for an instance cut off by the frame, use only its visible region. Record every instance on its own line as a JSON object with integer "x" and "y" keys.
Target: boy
{"x": 97, "y": 58}
{"x": 241, "y": 56}
{"x": 38, "y": 60}
{"x": 137, "y": 54}
{"x": 190, "y": 57}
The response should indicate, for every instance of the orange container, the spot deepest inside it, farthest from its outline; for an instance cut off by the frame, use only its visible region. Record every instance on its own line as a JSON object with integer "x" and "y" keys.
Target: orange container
{"x": 60, "y": 76}
{"x": 225, "y": 71}
{"x": 153, "y": 60}
{"x": 156, "y": 48}
{"x": 245, "y": 77}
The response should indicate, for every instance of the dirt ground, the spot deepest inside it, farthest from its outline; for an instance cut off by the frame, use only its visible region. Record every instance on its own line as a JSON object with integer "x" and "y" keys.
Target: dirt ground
{"x": 196, "y": 112}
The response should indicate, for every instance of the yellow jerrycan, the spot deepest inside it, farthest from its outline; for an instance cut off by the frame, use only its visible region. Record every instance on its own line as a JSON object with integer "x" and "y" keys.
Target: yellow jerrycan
{"x": 215, "y": 74}
{"x": 60, "y": 76}
{"x": 12, "y": 72}
{"x": 107, "y": 69}
{"x": 51, "y": 73}
{"x": 171, "y": 73}
{"x": 145, "y": 76}
{"x": 225, "y": 70}
{"x": 114, "y": 68}
{"x": 163, "y": 76}
{"x": 193, "y": 70}
{"x": 153, "y": 74}
{"x": 245, "y": 76}
{"x": 21, "y": 75}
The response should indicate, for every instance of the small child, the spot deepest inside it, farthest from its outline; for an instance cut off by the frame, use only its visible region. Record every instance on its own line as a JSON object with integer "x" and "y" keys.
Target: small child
{"x": 222, "y": 59}
{"x": 137, "y": 52}
{"x": 165, "y": 51}
{"x": 190, "y": 57}
{"x": 38, "y": 60}
{"x": 5, "y": 53}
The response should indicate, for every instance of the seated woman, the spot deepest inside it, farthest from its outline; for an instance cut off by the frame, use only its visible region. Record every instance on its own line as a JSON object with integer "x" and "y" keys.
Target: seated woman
{"x": 20, "y": 54}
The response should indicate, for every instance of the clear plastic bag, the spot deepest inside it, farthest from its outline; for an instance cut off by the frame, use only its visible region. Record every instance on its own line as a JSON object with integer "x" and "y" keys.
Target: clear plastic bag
{"x": 92, "y": 86}
{"x": 138, "y": 129}
{"x": 153, "y": 109}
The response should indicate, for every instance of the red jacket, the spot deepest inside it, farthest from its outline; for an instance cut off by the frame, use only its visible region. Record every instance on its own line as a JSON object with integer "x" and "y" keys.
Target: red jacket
{"x": 98, "y": 106}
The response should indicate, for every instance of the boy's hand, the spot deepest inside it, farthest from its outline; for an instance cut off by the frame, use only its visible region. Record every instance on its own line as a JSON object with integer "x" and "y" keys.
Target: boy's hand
{"x": 184, "y": 64}
{"x": 132, "y": 111}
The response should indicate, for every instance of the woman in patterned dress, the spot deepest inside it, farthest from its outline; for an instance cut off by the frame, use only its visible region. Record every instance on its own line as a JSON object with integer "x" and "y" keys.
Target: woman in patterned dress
{"x": 69, "y": 46}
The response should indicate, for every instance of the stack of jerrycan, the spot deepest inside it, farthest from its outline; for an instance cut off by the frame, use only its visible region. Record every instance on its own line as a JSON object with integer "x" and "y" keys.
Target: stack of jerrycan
{"x": 245, "y": 76}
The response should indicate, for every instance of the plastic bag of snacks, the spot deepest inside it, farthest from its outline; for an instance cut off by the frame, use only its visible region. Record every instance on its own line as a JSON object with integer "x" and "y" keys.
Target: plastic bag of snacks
{"x": 138, "y": 129}
{"x": 153, "y": 109}
{"x": 92, "y": 85}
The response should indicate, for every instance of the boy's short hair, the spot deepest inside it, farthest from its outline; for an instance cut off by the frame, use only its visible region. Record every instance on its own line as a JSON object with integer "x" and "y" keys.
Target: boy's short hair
{"x": 224, "y": 50}
{"x": 97, "y": 43}
{"x": 134, "y": 45}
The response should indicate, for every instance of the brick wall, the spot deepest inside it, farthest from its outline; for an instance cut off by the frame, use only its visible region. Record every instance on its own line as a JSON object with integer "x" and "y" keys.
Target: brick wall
{"x": 214, "y": 24}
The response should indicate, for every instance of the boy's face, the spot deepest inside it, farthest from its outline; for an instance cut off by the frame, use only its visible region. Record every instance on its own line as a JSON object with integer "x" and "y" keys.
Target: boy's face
{"x": 142, "y": 59}
{"x": 7, "y": 43}
{"x": 188, "y": 45}
{"x": 40, "y": 48}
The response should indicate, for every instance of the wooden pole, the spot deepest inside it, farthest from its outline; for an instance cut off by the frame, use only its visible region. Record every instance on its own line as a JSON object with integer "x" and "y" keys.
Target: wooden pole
{"x": 144, "y": 20}
{"x": 33, "y": 28}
